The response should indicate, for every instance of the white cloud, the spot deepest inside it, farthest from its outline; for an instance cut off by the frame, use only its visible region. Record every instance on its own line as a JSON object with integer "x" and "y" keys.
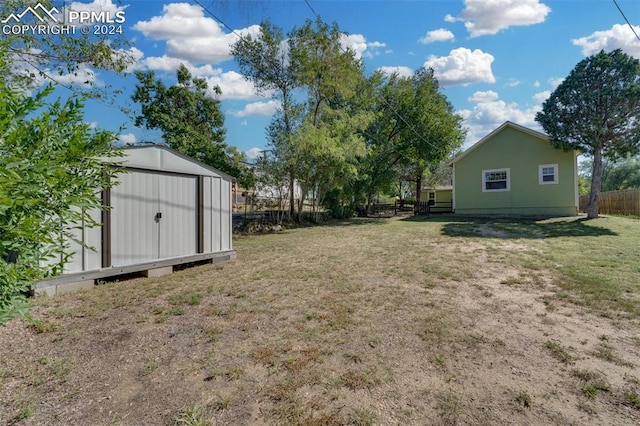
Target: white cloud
{"x": 376, "y": 44}
{"x": 244, "y": 123}
{"x": 462, "y": 66}
{"x": 483, "y": 97}
{"x": 259, "y": 108}
{"x": 437, "y": 35}
{"x": 169, "y": 64}
{"x": 513, "y": 82}
{"x": 131, "y": 56}
{"x": 555, "y": 81}
{"x": 190, "y": 35}
{"x": 127, "y": 139}
{"x": 356, "y": 42}
{"x": 84, "y": 77}
{"x": 536, "y": 83}
{"x": 233, "y": 86}
{"x": 542, "y": 96}
{"x": 253, "y": 153}
{"x": 401, "y": 71}
{"x": 483, "y": 17}
{"x": 489, "y": 112}
{"x": 618, "y": 37}
{"x": 162, "y": 63}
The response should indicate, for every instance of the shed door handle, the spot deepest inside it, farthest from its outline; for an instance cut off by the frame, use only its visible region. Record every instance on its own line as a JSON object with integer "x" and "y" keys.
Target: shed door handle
{"x": 158, "y": 217}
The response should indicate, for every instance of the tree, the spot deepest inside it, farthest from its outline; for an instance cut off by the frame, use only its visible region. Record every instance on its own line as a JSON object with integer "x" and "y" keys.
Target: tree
{"x": 266, "y": 62}
{"x": 52, "y": 167}
{"x": 189, "y": 117}
{"x": 415, "y": 129}
{"x": 622, "y": 174}
{"x": 36, "y": 57}
{"x": 328, "y": 142}
{"x": 316, "y": 139}
{"x": 596, "y": 110}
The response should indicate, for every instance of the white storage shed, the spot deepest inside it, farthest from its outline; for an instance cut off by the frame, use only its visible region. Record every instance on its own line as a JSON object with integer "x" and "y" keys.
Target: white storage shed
{"x": 167, "y": 209}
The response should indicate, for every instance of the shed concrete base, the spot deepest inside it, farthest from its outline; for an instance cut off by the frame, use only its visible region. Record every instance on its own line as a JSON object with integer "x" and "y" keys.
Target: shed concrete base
{"x": 80, "y": 280}
{"x": 158, "y": 272}
{"x": 63, "y": 288}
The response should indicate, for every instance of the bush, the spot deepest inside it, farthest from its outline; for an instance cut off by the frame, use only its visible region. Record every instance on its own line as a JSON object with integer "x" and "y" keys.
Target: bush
{"x": 51, "y": 167}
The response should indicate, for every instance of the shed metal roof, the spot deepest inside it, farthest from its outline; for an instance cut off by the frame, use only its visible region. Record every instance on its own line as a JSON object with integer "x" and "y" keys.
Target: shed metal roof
{"x": 163, "y": 158}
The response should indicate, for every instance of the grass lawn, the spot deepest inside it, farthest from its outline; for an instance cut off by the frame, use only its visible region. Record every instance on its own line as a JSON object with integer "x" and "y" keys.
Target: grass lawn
{"x": 376, "y": 321}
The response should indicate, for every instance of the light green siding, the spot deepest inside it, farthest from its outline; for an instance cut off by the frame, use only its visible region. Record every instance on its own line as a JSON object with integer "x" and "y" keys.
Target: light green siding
{"x": 522, "y": 152}
{"x": 444, "y": 197}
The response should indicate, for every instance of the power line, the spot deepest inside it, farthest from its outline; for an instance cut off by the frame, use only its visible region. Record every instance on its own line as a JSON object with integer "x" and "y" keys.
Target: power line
{"x": 216, "y": 18}
{"x": 396, "y": 113}
{"x": 625, "y": 18}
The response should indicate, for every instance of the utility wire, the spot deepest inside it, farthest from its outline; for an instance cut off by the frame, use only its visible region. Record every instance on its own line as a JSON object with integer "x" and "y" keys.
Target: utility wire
{"x": 396, "y": 113}
{"x": 216, "y": 18}
{"x": 625, "y": 18}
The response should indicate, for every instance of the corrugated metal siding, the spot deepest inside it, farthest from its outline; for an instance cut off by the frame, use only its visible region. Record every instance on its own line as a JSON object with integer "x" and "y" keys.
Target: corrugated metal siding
{"x": 134, "y": 232}
{"x": 83, "y": 258}
{"x": 207, "y": 214}
{"x": 225, "y": 210}
{"x": 178, "y": 205}
{"x": 216, "y": 217}
{"x": 157, "y": 180}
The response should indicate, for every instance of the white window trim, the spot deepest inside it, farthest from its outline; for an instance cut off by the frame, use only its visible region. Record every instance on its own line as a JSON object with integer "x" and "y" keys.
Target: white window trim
{"x": 555, "y": 174}
{"x": 484, "y": 182}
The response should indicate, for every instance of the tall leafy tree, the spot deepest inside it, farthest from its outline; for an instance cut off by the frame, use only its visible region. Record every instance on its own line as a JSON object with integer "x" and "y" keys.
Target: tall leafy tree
{"x": 596, "y": 110}
{"x": 415, "y": 129}
{"x": 189, "y": 117}
{"x": 266, "y": 62}
{"x": 52, "y": 166}
{"x": 312, "y": 77}
{"x": 329, "y": 140}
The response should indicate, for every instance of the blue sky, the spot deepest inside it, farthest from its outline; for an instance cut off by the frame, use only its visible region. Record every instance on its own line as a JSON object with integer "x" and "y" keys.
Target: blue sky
{"x": 497, "y": 60}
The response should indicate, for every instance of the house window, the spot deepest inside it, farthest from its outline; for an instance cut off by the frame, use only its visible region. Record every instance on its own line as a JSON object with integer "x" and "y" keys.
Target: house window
{"x": 495, "y": 180}
{"x": 548, "y": 173}
{"x": 432, "y": 197}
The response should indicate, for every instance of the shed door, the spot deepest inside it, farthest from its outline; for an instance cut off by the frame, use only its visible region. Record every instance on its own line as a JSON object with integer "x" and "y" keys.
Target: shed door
{"x": 178, "y": 226}
{"x": 134, "y": 233}
{"x": 153, "y": 217}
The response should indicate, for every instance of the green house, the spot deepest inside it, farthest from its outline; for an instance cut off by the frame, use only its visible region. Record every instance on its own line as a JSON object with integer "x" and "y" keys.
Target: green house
{"x": 515, "y": 171}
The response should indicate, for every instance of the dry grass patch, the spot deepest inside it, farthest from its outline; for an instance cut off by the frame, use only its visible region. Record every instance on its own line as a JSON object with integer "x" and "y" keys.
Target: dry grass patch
{"x": 400, "y": 321}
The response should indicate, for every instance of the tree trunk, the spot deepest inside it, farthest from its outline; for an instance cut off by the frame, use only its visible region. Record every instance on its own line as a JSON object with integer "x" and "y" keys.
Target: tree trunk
{"x": 291, "y": 193}
{"x": 418, "y": 185}
{"x": 596, "y": 181}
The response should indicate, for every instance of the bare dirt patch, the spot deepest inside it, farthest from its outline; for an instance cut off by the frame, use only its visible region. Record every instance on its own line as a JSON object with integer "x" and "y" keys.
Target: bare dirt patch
{"x": 376, "y": 322}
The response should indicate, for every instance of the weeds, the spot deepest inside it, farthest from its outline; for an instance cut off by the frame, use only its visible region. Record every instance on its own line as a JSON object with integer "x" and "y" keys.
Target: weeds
{"x": 354, "y": 380}
{"x": 24, "y": 413}
{"x": 42, "y": 325}
{"x": 150, "y": 367}
{"x": 607, "y": 352}
{"x": 558, "y": 352}
{"x": 524, "y": 399}
{"x": 450, "y": 408}
{"x": 194, "y": 415}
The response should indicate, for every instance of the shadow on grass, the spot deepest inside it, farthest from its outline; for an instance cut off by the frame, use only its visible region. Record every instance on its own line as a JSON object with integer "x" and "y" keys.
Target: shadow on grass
{"x": 285, "y": 226}
{"x": 514, "y": 228}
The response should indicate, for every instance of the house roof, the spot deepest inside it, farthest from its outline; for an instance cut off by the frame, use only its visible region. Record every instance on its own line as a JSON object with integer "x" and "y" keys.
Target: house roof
{"x": 163, "y": 158}
{"x": 506, "y": 124}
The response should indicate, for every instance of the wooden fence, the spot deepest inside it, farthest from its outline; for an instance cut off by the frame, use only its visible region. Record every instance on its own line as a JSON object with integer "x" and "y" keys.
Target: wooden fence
{"x": 624, "y": 202}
